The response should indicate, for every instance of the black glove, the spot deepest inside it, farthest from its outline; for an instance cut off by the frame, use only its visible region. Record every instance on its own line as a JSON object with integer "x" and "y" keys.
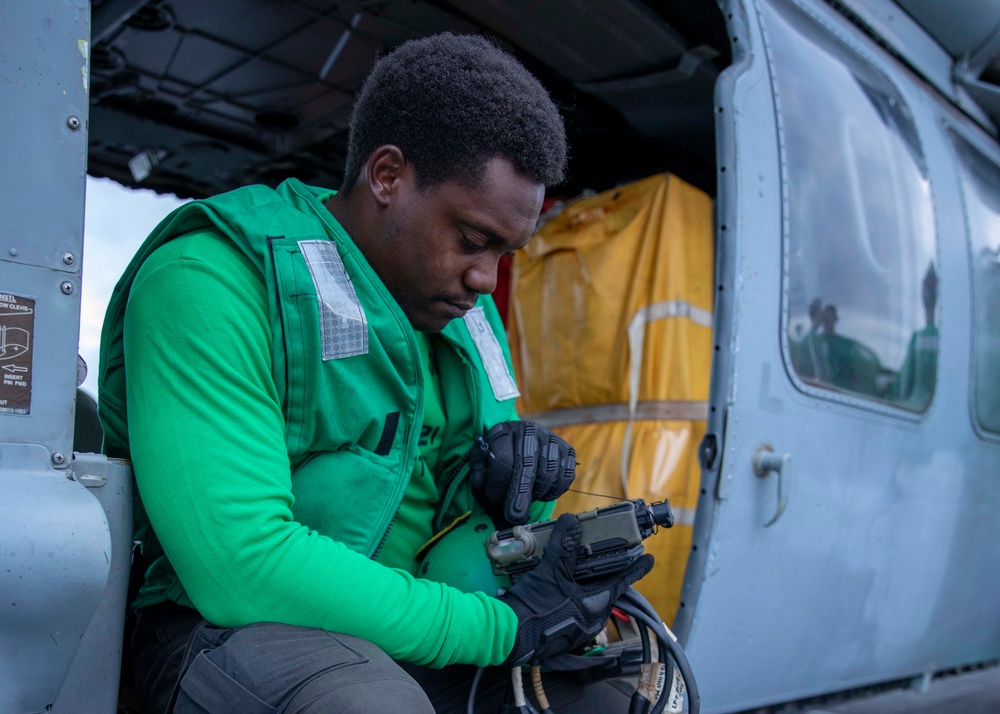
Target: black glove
{"x": 515, "y": 463}
{"x": 556, "y": 614}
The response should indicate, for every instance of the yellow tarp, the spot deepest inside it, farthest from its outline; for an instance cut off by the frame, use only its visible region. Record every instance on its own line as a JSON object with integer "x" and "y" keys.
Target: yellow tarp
{"x": 610, "y": 332}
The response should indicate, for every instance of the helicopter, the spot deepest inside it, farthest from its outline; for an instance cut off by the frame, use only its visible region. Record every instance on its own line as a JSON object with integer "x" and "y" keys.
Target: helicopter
{"x": 829, "y": 434}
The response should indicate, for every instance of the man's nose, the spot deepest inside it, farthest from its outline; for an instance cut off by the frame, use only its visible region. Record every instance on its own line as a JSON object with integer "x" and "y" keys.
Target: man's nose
{"x": 481, "y": 276}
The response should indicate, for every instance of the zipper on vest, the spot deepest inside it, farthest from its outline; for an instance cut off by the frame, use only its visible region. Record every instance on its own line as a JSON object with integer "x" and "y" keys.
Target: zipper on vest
{"x": 449, "y": 484}
{"x": 444, "y": 489}
{"x": 408, "y": 433}
{"x": 385, "y": 536}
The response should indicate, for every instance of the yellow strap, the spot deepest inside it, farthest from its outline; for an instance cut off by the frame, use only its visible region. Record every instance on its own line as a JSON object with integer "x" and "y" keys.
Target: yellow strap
{"x": 422, "y": 551}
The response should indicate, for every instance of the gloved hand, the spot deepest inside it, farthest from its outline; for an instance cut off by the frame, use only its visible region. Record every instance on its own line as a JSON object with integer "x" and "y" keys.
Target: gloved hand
{"x": 515, "y": 463}
{"x": 555, "y": 613}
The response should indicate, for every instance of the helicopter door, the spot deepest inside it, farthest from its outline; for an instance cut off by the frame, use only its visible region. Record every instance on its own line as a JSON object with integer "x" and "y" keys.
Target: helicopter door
{"x": 812, "y": 574}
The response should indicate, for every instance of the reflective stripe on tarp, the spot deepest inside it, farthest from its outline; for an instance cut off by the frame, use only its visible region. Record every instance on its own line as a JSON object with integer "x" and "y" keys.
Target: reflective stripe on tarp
{"x": 597, "y": 413}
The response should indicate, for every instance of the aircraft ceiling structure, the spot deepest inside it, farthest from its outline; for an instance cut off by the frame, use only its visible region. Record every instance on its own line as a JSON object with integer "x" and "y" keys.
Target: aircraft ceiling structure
{"x": 194, "y": 97}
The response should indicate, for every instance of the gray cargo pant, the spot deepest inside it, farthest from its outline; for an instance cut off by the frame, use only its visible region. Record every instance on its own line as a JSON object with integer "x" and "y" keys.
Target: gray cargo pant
{"x": 183, "y": 665}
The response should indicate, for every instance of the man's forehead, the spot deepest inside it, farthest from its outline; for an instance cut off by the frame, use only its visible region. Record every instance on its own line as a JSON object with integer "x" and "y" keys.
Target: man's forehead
{"x": 507, "y": 220}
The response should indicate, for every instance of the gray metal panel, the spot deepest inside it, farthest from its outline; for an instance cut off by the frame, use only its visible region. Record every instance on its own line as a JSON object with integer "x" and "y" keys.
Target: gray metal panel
{"x": 91, "y": 687}
{"x": 43, "y": 100}
{"x": 912, "y": 42}
{"x": 53, "y": 351}
{"x": 729, "y": 94}
{"x": 884, "y": 563}
{"x": 55, "y": 534}
{"x": 56, "y": 554}
{"x": 43, "y": 84}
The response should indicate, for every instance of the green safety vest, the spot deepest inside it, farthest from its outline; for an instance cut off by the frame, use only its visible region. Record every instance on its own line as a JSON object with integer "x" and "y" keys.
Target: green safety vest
{"x": 344, "y": 360}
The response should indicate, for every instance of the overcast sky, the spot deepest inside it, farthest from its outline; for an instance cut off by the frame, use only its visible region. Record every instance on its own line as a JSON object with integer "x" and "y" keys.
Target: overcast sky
{"x": 117, "y": 221}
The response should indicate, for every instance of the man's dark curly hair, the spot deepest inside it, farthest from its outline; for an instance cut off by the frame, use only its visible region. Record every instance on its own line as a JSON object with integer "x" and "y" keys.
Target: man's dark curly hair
{"x": 451, "y": 103}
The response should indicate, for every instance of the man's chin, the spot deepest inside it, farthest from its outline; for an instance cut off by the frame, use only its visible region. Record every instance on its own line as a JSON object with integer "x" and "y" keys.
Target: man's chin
{"x": 437, "y": 317}
{"x": 430, "y": 325}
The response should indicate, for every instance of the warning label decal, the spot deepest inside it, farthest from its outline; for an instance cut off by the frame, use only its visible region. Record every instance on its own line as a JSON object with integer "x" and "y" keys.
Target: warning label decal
{"x": 17, "y": 332}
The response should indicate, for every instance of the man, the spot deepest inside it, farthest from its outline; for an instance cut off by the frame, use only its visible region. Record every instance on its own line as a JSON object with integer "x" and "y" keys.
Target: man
{"x": 300, "y": 378}
{"x": 913, "y": 385}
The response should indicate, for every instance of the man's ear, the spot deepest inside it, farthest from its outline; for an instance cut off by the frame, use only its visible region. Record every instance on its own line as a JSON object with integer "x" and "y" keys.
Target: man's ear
{"x": 383, "y": 171}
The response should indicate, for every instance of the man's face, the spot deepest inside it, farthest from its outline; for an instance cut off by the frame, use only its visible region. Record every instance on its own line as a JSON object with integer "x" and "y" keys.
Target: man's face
{"x": 441, "y": 245}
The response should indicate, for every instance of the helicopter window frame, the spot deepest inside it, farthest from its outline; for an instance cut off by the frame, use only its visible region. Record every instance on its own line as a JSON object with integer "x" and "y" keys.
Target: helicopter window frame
{"x": 979, "y": 181}
{"x": 884, "y": 356}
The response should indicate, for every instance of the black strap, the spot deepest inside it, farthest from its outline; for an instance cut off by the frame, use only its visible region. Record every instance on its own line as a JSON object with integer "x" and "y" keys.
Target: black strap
{"x": 388, "y": 434}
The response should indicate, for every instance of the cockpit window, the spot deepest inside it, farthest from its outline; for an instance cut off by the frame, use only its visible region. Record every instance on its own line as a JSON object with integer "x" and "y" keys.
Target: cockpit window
{"x": 981, "y": 194}
{"x": 860, "y": 246}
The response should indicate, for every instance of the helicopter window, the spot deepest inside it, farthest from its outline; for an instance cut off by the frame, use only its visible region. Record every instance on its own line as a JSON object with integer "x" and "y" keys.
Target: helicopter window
{"x": 981, "y": 190}
{"x": 861, "y": 291}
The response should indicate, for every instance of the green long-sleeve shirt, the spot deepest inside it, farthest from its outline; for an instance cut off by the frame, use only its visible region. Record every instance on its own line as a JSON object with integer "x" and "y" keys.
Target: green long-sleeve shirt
{"x": 206, "y": 436}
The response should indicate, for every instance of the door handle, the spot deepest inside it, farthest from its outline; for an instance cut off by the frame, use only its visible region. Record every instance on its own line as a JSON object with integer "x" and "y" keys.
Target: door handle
{"x": 764, "y": 462}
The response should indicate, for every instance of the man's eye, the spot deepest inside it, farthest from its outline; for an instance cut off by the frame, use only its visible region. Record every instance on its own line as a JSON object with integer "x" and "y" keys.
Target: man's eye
{"x": 470, "y": 243}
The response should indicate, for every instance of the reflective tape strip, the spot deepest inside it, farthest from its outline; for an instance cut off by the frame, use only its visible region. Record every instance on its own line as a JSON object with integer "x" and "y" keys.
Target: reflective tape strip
{"x": 342, "y": 321}
{"x": 637, "y": 335}
{"x": 661, "y": 410}
{"x": 491, "y": 354}
{"x": 636, "y": 339}
{"x": 673, "y": 308}
{"x": 683, "y": 516}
